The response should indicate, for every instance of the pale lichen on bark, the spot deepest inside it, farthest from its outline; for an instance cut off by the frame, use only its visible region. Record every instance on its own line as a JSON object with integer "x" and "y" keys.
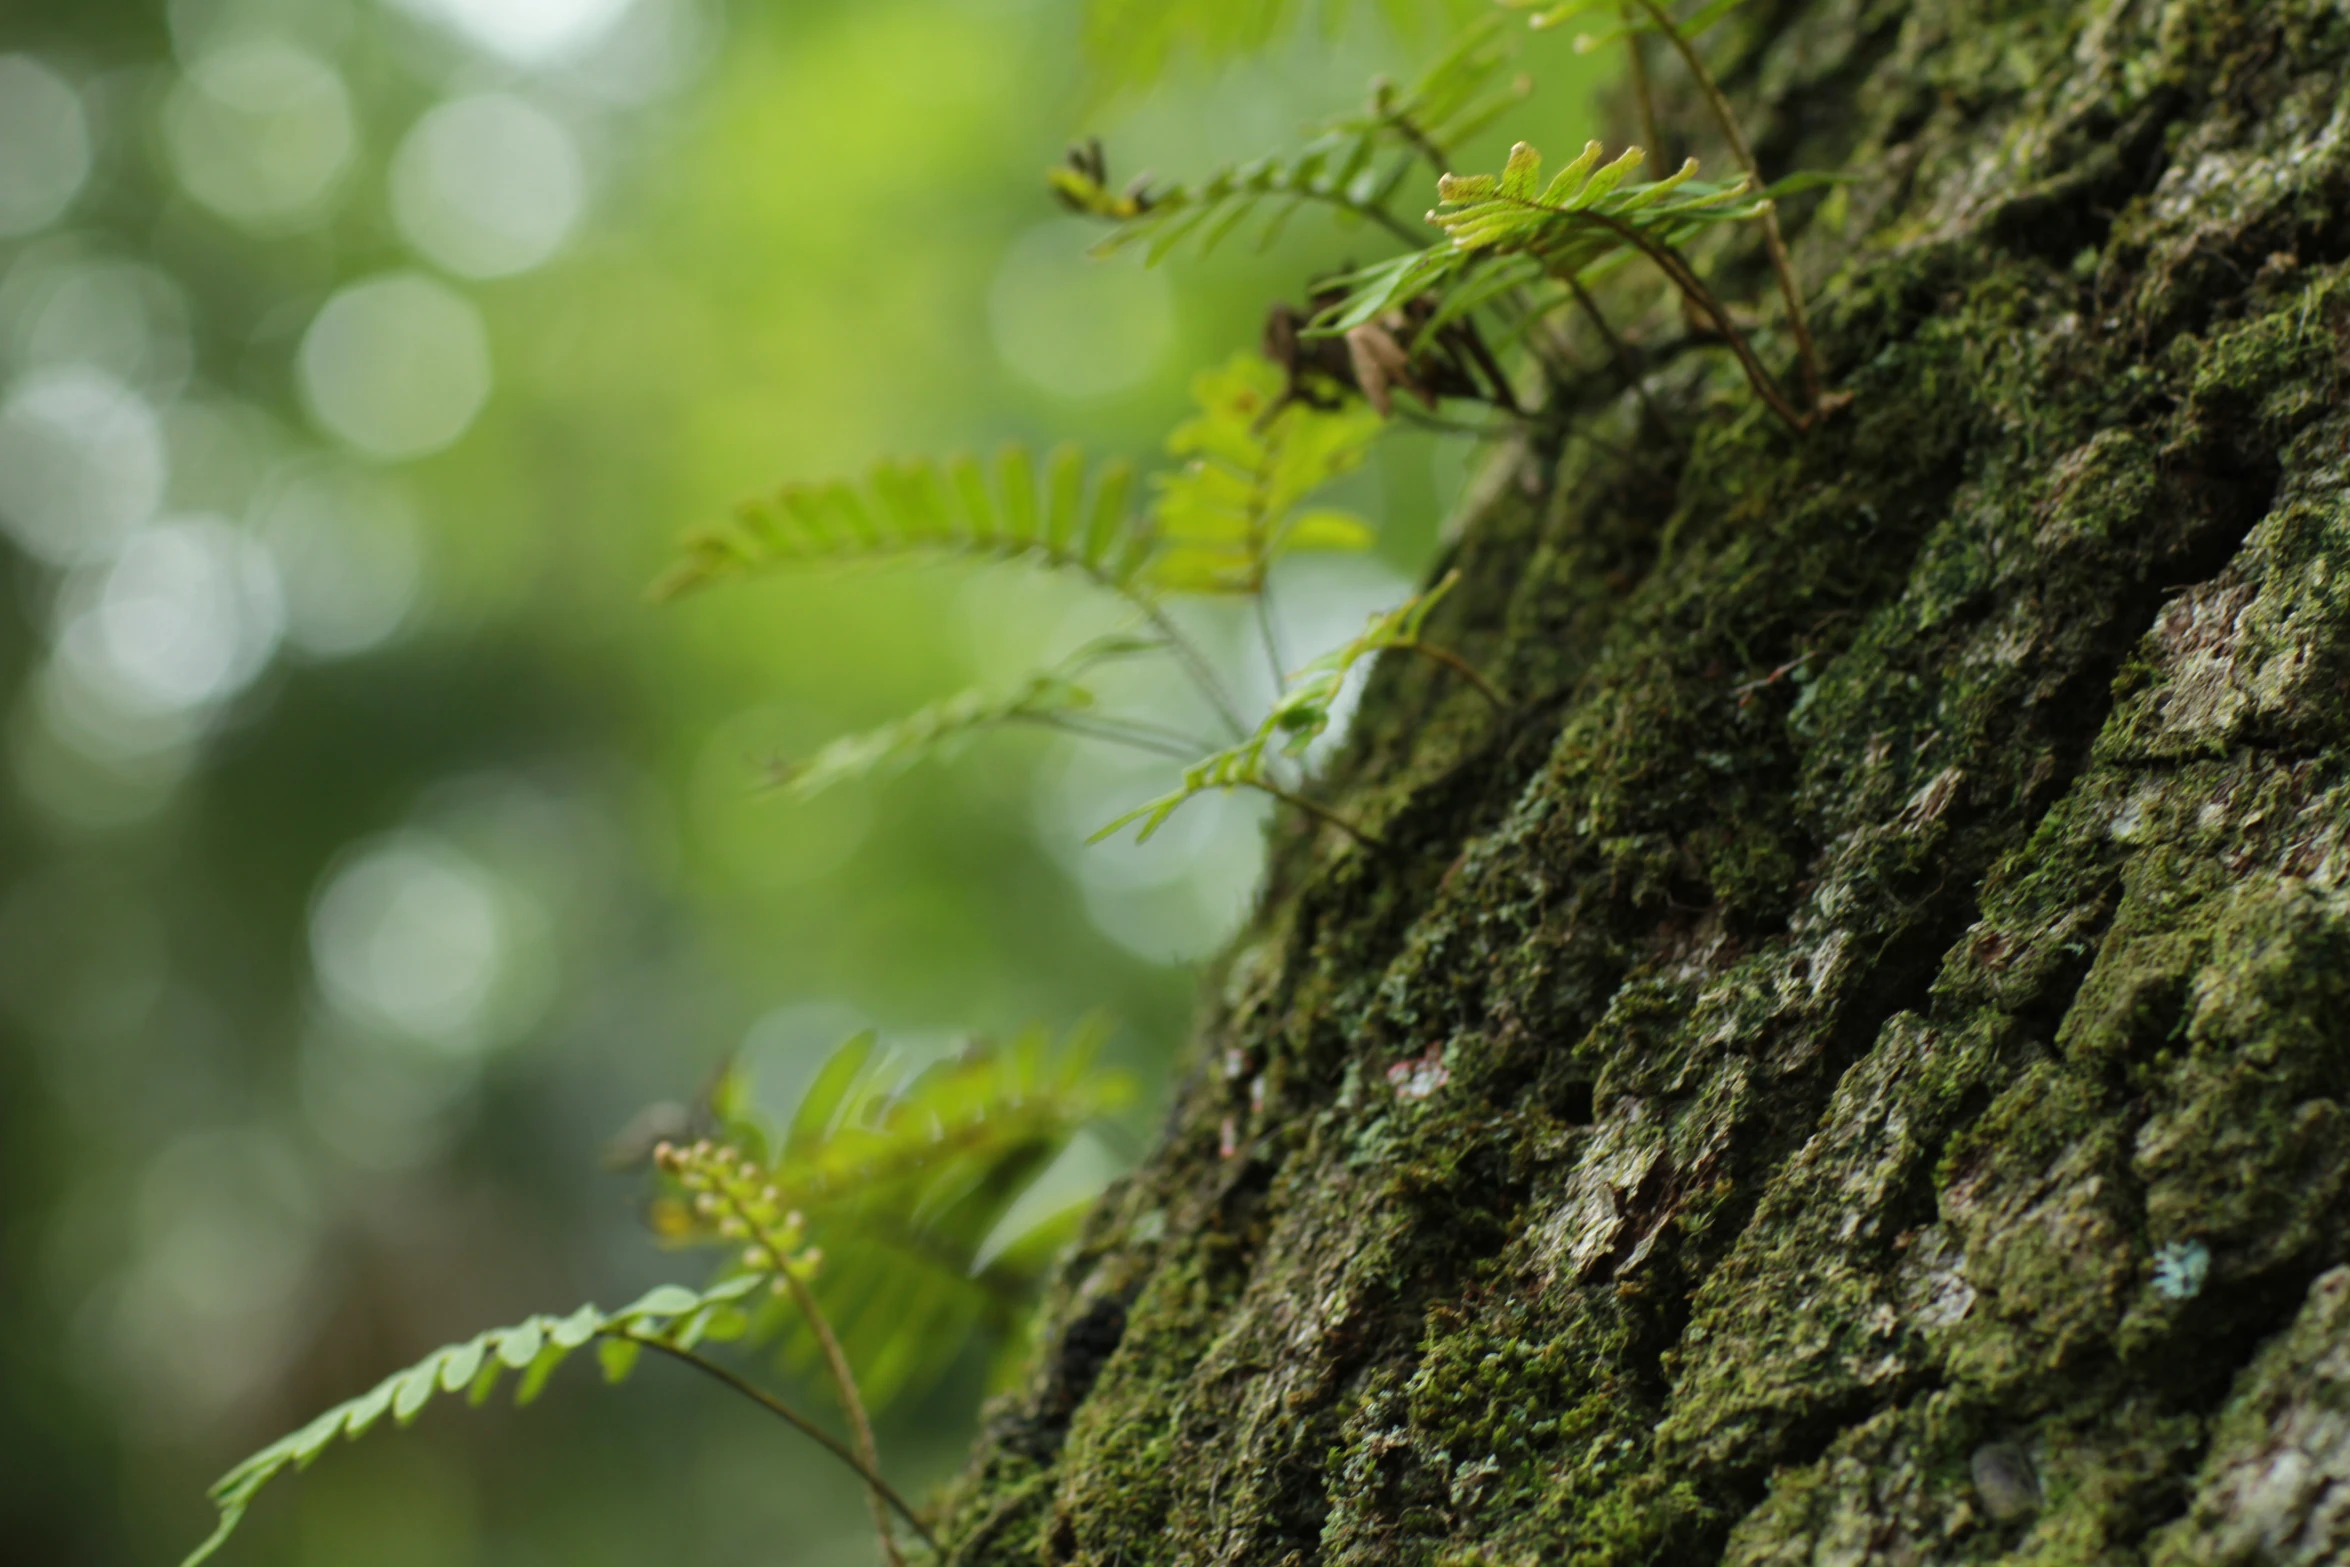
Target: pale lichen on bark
{"x": 1892, "y": 982}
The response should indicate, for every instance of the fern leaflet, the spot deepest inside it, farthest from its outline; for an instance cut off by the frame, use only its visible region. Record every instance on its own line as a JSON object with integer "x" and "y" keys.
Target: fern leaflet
{"x": 1063, "y": 517}
{"x": 1584, "y": 215}
{"x": 1236, "y": 506}
{"x": 1044, "y": 699}
{"x": 899, "y": 1176}
{"x": 670, "y": 1316}
{"x": 1296, "y": 719}
{"x": 1355, "y": 165}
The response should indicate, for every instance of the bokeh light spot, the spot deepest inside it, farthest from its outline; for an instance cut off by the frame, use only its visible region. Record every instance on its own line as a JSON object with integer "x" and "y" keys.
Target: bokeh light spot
{"x": 413, "y": 937}
{"x": 396, "y": 366}
{"x": 59, "y": 307}
{"x": 261, "y": 132}
{"x": 487, "y": 186}
{"x": 187, "y": 615}
{"x": 1074, "y": 325}
{"x": 525, "y": 32}
{"x": 44, "y": 145}
{"x": 81, "y": 463}
{"x": 348, "y": 548}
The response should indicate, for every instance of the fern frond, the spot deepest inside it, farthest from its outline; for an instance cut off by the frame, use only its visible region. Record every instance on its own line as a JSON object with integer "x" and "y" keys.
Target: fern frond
{"x": 1296, "y": 719}
{"x": 1584, "y": 215}
{"x": 1458, "y": 95}
{"x": 1237, "y": 505}
{"x": 1303, "y": 712}
{"x": 898, "y": 1177}
{"x": 1354, "y": 166}
{"x": 1584, "y": 218}
{"x": 1044, "y": 699}
{"x": 1062, "y": 517}
{"x": 671, "y": 1316}
{"x": 1240, "y": 766}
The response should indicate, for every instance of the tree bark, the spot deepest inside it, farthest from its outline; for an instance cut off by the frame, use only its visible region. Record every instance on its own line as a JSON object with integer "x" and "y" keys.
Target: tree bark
{"x": 1852, "y": 1070}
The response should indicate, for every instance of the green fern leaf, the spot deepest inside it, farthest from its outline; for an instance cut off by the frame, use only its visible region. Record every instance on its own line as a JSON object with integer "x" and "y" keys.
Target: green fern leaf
{"x": 1302, "y": 714}
{"x": 925, "y": 508}
{"x": 1296, "y": 719}
{"x": 1236, "y": 507}
{"x": 1590, "y": 213}
{"x": 896, "y": 1177}
{"x": 1354, "y": 166}
{"x": 1240, "y": 766}
{"x": 1043, "y": 699}
{"x": 534, "y": 1347}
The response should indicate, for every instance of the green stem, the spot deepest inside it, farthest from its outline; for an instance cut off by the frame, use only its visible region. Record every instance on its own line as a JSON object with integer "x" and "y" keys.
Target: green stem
{"x": 1262, "y": 600}
{"x": 1195, "y": 663}
{"x": 1109, "y": 736}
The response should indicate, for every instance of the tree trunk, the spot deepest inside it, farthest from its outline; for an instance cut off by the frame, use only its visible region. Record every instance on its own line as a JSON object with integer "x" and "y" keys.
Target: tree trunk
{"x": 1852, "y": 1069}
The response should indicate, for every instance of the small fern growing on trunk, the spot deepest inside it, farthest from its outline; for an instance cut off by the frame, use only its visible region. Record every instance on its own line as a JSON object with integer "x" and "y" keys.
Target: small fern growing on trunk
{"x": 875, "y": 1205}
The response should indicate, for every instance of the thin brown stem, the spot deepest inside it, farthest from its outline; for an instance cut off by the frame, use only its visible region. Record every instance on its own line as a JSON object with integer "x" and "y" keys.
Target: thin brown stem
{"x": 799, "y": 1422}
{"x": 1624, "y": 361}
{"x": 1463, "y": 668}
{"x": 1692, "y": 288}
{"x": 1195, "y": 663}
{"x": 1503, "y": 393}
{"x": 1320, "y": 813}
{"x": 1797, "y": 321}
{"x": 1419, "y": 141}
{"x": 844, "y": 1383}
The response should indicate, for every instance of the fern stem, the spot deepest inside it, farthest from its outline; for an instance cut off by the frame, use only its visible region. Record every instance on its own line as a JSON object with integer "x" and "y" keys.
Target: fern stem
{"x": 1670, "y": 262}
{"x": 1098, "y": 730}
{"x": 1263, "y": 600}
{"x": 1195, "y": 663}
{"x": 1390, "y": 222}
{"x": 1463, "y": 668}
{"x": 799, "y": 1422}
{"x": 1320, "y": 813}
{"x": 1420, "y": 142}
{"x": 1798, "y": 322}
{"x": 844, "y": 1383}
{"x": 1624, "y": 362}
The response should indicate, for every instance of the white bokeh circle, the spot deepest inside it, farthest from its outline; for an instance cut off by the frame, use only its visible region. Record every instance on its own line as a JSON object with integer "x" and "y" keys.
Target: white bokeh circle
{"x": 396, "y": 366}
{"x": 44, "y": 145}
{"x": 487, "y": 186}
{"x": 261, "y": 132}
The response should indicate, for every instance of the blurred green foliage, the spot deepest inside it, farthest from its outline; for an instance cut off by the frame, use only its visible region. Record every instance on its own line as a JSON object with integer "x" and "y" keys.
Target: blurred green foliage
{"x": 372, "y": 855}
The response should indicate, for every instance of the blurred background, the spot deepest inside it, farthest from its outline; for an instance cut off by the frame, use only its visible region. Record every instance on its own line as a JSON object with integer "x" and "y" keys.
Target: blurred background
{"x": 371, "y": 851}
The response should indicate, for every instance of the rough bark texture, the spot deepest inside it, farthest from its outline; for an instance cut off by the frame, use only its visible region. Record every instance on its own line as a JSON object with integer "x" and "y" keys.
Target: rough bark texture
{"x": 1892, "y": 1113}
